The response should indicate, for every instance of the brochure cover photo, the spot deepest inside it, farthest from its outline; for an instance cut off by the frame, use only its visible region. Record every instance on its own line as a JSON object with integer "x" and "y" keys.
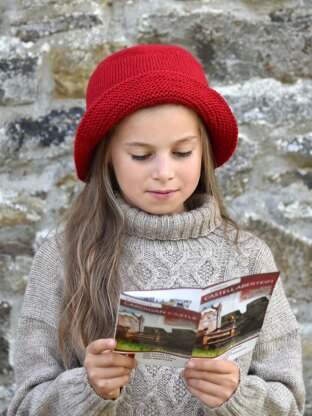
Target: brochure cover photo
{"x": 169, "y": 326}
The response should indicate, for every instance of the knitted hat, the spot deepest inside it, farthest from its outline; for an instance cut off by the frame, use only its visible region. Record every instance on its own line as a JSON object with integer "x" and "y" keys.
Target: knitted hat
{"x": 147, "y": 75}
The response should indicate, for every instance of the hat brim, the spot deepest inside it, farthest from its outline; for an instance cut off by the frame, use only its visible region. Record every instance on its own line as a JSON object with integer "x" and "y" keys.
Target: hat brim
{"x": 147, "y": 90}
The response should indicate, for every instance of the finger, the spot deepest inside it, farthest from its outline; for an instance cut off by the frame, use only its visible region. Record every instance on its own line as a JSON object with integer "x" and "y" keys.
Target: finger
{"x": 108, "y": 386}
{"x": 108, "y": 373}
{"x": 215, "y": 378}
{"x": 213, "y": 366}
{"x": 208, "y": 400}
{"x": 110, "y": 359}
{"x": 100, "y": 345}
{"x": 206, "y": 387}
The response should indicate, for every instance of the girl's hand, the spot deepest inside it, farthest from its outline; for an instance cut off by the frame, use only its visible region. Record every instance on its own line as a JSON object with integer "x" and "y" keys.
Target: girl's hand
{"x": 107, "y": 371}
{"x": 211, "y": 381}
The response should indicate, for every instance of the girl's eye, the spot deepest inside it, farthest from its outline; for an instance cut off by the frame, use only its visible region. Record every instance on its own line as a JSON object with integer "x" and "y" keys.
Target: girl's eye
{"x": 140, "y": 157}
{"x": 183, "y": 154}
{"x": 145, "y": 157}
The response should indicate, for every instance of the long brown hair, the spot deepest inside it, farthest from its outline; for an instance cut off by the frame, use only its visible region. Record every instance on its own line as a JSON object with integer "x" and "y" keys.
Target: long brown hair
{"x": 93, "y": 242}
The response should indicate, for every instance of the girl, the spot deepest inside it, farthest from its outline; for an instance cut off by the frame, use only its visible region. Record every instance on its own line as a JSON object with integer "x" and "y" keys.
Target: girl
{"x": 150, "y": 216}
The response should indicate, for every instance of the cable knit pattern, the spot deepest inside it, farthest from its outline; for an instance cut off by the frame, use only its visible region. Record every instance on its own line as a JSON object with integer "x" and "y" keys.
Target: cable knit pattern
{"x": 188, "y": 249}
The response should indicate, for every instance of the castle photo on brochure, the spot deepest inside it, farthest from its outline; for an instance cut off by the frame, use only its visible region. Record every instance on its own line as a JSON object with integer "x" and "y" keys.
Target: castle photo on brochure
{"x": 222, "y": 320}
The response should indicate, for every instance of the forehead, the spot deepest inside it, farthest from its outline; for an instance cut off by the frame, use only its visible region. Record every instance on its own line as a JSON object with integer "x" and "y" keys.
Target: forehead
{"x": 169, "y": 117}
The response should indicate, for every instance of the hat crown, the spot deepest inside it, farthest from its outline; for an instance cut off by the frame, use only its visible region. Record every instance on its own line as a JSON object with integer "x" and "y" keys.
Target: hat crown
{"x": 142, "y": 59}
{"x": 144, "y": 76}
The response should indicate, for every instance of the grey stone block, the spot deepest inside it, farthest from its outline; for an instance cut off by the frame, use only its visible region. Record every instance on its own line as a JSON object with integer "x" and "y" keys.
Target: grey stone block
{"x": 293, "y": 255}
{"x": 236, "y": 45}
{"x": 268, "y": 100}
{"x": 31, "y": 31}
{"x": 18, "y": 79}
{"x": 45, "y": 131}
{"x": 5, "y": 309}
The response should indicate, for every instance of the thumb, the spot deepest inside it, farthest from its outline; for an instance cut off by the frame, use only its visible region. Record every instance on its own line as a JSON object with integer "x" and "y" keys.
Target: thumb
{"x": 100, "y": 345}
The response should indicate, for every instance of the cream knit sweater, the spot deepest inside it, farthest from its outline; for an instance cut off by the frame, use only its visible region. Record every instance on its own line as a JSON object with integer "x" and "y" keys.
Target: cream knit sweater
{"x": 187, "y": 249}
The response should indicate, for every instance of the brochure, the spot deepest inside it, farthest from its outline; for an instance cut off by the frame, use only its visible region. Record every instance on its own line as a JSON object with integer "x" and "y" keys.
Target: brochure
{"x": 169, "y": 326}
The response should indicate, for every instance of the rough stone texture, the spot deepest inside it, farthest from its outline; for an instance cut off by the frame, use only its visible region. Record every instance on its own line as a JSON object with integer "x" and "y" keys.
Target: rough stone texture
{"x": 270, "y": 101}
{"x": 14, "y": 267}
{"x": 235, "y": 176}
{"x": 241, "y": 44}
{"x": 47, "y": 130}
{"x": 33, "y": 28}
{"x": 257, "y": 53}
{"x": 5, "y": 367}
{"x": 18, "y": 73}
{"x": 71, "y": 71}
{"x": 294, "y": 259}
{"x": 300, "y": 145}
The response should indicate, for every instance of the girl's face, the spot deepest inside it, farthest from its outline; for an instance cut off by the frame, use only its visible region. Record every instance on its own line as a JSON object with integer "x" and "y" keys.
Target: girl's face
{"x": 156, "y": 154}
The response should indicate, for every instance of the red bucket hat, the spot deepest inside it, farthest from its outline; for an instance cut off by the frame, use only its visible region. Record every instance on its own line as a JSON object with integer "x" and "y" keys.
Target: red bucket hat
{"x": 147, "y": 75}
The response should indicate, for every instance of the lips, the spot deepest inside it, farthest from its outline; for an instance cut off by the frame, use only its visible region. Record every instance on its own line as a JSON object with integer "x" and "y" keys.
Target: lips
{"x": 163, "y": 192}
{"x": 162, "y": 195}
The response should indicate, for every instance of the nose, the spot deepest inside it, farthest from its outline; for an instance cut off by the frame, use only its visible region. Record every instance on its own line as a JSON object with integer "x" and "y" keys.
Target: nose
{"x": 163, "y": 169}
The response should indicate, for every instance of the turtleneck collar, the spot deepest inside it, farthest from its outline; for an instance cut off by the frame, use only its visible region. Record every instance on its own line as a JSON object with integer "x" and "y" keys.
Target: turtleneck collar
{"x": 195, "y": 223}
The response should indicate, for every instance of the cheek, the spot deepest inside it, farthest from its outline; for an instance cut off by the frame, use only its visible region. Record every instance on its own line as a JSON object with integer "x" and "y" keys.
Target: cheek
{"x": 128, "y": 173}
{"x": 119, "y": 170}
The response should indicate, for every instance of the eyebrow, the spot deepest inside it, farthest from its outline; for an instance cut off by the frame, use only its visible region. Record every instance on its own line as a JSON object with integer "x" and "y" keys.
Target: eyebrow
{"x": 142, "y": 144}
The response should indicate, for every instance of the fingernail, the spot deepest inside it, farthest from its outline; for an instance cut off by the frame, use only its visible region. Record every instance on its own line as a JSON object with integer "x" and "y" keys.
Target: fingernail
{"x": 111, "y": 343}
{"x": 190, "y": 364}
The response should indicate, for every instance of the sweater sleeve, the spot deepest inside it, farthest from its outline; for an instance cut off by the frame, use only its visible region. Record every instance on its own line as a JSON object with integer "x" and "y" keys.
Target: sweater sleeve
{"x": 274, "y": 383}
{"x": 44, "y": 387}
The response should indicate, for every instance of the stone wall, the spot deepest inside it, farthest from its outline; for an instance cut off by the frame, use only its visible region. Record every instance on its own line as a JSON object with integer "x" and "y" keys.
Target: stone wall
{"x": 258, "y": 54}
